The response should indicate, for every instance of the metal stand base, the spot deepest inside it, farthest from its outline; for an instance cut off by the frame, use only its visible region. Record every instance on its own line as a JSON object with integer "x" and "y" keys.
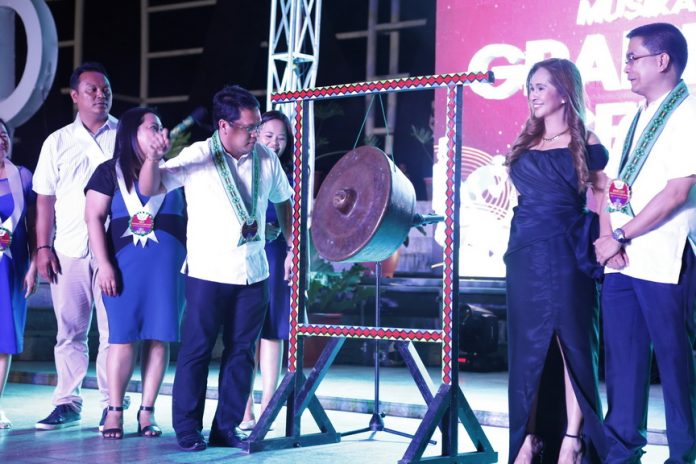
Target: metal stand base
{"x": 376, "y": 423}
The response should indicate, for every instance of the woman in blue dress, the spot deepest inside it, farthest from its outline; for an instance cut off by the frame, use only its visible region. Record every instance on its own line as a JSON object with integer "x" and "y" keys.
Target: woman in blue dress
{"x": 139, "y": 259}
{"x": 17, "y": 270}
{"x": 274, "y": 133}
{"x": 554, "y": 405}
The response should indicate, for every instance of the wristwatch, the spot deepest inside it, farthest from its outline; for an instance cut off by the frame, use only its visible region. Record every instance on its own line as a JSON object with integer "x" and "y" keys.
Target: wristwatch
{"x": 619, "y": 236}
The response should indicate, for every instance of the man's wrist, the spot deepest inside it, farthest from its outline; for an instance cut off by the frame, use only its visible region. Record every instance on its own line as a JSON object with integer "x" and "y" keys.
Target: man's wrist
{"x": 620, "y": 236}
{"x": 44, "y": 247}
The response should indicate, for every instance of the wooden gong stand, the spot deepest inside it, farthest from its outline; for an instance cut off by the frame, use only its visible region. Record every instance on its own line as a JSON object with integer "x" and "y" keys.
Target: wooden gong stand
{"x": 447, "y": 407}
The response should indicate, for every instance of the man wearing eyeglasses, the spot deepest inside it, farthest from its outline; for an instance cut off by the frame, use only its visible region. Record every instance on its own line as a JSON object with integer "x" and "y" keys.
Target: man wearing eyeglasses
{"x": 646, "y": 242}
{"x": 228, "y": 181}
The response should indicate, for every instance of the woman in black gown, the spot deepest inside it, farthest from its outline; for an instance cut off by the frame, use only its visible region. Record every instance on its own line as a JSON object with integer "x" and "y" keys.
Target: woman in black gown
{"x": 554, "y": 404}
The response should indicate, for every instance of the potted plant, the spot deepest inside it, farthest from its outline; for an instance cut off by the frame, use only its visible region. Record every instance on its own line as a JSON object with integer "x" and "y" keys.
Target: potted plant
{"x": 330, "y": 293}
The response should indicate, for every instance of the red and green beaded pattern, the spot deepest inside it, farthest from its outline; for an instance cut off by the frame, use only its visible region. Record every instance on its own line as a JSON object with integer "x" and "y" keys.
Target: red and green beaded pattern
{"x": 448, "y": 265}
{"x": 296, "y": 215}
{"x": 389, "y": 85}
{"x": 377, "y": 333}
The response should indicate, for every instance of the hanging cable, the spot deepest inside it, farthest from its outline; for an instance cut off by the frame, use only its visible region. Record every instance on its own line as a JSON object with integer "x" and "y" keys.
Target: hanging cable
{"x": 386, "y": 127}
{"x": 367, "y": 113}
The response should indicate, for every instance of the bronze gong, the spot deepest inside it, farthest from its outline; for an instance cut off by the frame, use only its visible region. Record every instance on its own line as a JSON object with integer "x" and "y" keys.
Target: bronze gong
{"x": 364, "y": 208}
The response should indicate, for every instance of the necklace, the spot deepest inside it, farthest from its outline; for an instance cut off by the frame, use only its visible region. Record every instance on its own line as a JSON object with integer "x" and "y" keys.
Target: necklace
{"x": 551, "y": 139}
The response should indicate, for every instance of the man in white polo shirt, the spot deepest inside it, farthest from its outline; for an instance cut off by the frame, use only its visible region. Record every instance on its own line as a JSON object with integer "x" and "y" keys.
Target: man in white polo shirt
{"x": 648, "y": 291}
{"x": 228, "y": 181}
{"x": 68, "y": 158}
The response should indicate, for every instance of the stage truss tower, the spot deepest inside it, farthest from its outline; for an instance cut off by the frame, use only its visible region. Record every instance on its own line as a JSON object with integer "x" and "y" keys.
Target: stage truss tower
{"x": 293, "y": 57}
{"x": 293, "y": 47}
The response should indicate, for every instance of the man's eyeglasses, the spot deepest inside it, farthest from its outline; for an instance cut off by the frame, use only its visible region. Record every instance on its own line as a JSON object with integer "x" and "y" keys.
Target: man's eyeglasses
{"x": 251, "y": 129}
{"x": 631, "y": 58}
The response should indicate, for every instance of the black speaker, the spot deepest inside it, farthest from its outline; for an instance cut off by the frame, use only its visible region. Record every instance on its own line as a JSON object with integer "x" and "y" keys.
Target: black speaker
{"x": 478, "y": 330}
{"x": 478, "y": 341}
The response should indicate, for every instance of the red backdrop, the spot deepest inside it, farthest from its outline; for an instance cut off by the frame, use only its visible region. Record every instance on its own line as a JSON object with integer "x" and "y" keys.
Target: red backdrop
{"x": 507, "y": 37}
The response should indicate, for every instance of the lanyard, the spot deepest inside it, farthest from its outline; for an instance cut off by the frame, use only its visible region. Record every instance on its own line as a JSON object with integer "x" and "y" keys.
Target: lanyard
{"x": 245, "y": 218}
{"x": 631, "y": 165}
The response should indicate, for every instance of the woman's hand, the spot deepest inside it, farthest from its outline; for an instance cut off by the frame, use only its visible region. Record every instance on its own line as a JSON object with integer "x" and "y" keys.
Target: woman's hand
{"x": 107, "y": 280}
{"x": 605, "y": 248}
{"x": 288, "y": 265}
{"x": 158, "y": 146}
{"x": 31, "y": 280}
{"x": 618, "y": 261}
{"x": 272, "y": 231}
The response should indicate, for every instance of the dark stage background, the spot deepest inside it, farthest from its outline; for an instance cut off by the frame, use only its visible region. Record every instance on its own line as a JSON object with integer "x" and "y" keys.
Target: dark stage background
{"x": 234, "y": 34}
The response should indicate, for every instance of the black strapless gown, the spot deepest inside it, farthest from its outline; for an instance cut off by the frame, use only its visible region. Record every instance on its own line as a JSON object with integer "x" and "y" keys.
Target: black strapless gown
{"x": 550, "y": 294}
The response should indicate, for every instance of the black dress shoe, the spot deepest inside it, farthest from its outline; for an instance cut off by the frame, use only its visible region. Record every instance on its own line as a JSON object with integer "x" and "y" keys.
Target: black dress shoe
{"x": 192, "y": 441}
{"x": 229, "y": 438}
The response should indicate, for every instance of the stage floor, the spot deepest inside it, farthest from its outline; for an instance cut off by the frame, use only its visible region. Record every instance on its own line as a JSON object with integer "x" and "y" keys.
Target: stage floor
{"x": 346, "y": 393}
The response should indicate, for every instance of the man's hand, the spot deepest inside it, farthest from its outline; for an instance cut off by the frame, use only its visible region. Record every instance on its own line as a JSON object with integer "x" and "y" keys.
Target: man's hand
{"x": 48, "y": 264}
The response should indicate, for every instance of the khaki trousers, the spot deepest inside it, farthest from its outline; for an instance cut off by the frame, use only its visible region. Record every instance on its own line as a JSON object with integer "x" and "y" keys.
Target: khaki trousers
{"x": 74, "y": 295}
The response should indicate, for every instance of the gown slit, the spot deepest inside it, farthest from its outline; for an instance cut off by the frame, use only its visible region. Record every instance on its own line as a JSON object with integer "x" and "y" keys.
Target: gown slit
{"x": 551, "y": 295}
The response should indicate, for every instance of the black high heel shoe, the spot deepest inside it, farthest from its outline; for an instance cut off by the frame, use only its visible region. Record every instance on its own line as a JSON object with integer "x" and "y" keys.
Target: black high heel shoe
{"x": 150, "y": 431}
{"x": 115, "y": 433}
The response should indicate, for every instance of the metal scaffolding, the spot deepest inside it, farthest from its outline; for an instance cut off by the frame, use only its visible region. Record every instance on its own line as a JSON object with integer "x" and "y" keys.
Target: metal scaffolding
{"x": 293, "y": 46}
{"x": 293, "y": 59}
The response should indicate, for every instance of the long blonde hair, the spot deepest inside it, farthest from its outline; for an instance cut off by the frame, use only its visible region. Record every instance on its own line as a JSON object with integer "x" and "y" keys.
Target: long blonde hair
{"x": 566, "y": 79}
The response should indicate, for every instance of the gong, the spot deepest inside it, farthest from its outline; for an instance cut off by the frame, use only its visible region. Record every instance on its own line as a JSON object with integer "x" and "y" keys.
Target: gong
{"x": 364, "y": 208}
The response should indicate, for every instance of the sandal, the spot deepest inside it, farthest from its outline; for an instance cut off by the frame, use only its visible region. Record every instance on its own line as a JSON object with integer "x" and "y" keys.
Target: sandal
{"x": 248, "y": 425}
{"x": 115, "y": 433}
{"x": 151, "y": 430}
{"x": 576, "y": 453}
{"x": 5, "y": 423}
{"x": 532, "y": 447}
{"x": 126, "y": 404}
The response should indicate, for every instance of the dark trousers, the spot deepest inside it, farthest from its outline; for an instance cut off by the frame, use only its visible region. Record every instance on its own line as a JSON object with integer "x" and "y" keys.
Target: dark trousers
{"x": 240, "y": 311}
{"x": 640, "y": 316}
